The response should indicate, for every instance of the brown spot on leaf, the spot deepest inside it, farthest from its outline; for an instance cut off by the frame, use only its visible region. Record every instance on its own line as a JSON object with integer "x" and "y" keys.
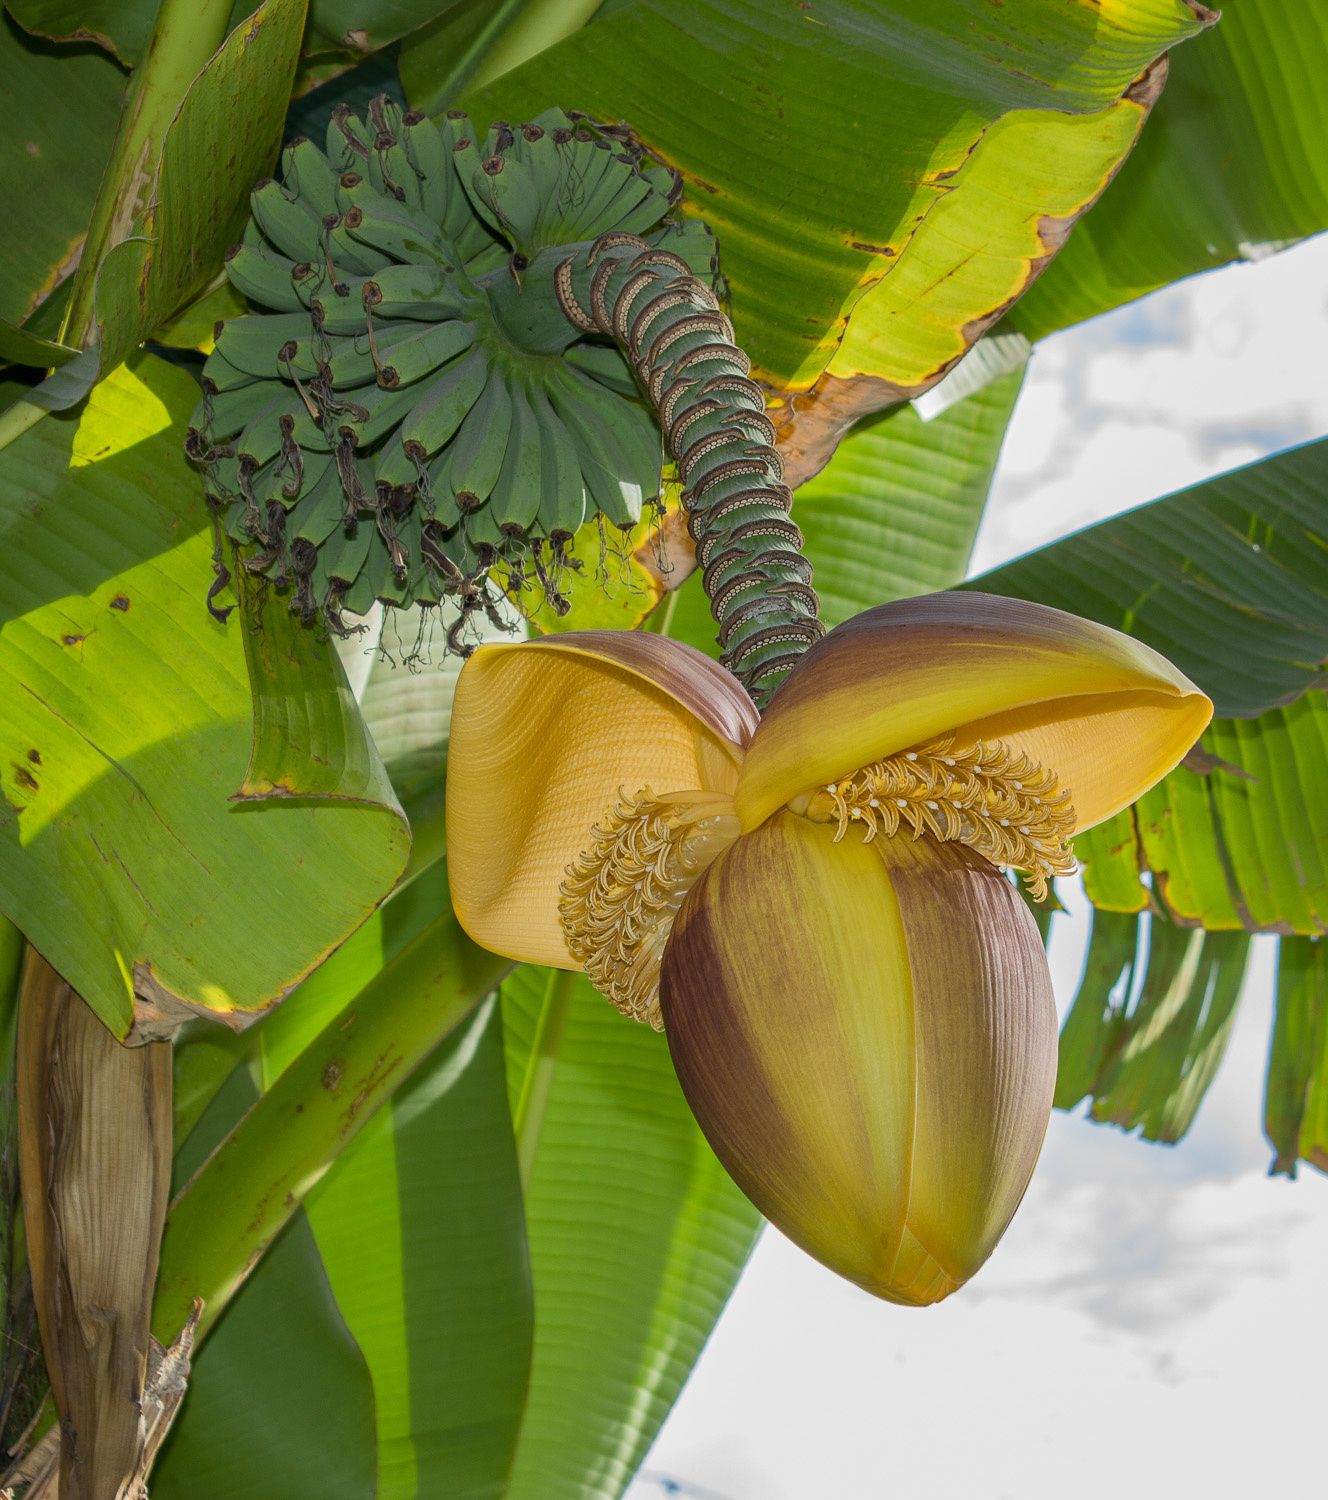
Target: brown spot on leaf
{"x": 331, "y": 1076}
{"x": 121, "y": 602}
{"x": 73, "y": 640}
{"x": 32, "y": 148}
{"x": 35, "y": 757}
{"x": 357, "y": 40}
{"x": 26, "y": 779}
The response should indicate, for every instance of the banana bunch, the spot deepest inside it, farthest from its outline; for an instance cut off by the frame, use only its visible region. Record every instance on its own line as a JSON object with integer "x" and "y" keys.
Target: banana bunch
{"x": 409, "y": 407}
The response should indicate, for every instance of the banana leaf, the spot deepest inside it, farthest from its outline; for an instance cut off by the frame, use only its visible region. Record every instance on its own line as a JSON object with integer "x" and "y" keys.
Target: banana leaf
{"x": 908, "y": 216}
{"x": 1233, "y": 166}
{"x": 129, "y": 727}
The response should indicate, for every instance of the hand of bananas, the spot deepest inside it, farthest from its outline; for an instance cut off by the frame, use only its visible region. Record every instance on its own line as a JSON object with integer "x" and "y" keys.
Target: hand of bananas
{"x": 415, "y": 406}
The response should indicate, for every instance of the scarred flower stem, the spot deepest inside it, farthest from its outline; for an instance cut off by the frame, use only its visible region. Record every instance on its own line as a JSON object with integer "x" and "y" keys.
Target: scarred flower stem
{"x": 712, "y": 415}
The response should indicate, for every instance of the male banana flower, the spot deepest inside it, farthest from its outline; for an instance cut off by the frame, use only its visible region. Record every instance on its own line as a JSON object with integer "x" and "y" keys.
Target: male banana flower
{"x": 811, "y": 902}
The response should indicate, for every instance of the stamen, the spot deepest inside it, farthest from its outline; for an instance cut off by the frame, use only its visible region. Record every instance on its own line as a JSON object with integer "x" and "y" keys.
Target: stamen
{"x": 623, "y": 892}
{"x": 997, "y": 800}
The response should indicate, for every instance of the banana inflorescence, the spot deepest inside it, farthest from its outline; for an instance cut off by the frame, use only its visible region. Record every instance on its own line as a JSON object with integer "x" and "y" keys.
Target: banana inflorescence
{"x": 454, "y": 377}
{"x": 412, "y": 407}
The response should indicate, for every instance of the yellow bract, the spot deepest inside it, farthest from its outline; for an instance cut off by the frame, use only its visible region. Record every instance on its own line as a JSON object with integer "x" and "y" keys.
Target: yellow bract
{"x": 1106, "y": 713}
{"x": 546, "y": 736}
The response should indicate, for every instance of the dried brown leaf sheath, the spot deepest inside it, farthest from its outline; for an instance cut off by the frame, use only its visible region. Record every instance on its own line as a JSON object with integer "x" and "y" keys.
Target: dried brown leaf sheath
{"x": 95, "y": 1160}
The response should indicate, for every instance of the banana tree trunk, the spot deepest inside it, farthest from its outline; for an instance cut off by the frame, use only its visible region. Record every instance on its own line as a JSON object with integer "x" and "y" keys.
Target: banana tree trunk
{"x": 94, "y": 1122}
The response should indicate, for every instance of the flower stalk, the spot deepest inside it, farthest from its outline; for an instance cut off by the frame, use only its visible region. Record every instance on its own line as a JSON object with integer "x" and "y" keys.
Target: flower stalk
{"x": 712, "y": 416}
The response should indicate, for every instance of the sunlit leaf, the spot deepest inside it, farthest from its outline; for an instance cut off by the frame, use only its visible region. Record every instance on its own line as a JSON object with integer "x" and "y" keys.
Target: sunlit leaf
{"x": 1150, "y": 1025}
{"x": 1233, "y": 165}
{"x": 637, "y": 1237}
{"x": 128, "y": 728}
{"x": 1296, "y": 1103}
{"x": 829, "y": 197}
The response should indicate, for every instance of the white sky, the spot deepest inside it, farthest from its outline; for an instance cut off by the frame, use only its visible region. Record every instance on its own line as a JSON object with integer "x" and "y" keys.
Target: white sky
{"x": 1150, "y": 1325}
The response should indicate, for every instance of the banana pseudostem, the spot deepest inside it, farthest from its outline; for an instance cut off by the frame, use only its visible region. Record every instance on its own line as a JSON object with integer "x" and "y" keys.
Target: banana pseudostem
{"x": 713, "y": 418}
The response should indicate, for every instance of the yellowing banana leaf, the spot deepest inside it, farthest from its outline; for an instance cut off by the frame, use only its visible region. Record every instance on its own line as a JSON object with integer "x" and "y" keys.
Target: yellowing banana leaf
{"x": 128, "y": 728}
{"x": 201, "y": 197}
{"x": 637, "y": 1237}
{"x": 1150, "y": 1023}
{"x": 815, "y": 174}
{"x": 62, "y": 108}
{"x": 1296, "y": 1103}
{"x": 1233, "y": 165}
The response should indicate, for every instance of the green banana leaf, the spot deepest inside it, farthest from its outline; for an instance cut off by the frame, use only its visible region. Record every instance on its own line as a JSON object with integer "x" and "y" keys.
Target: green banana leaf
{"x": 814, "y": 172}
{"x": 1229, "y": 579}
{"x": 637, "y": 1237}
{"x": 1150, "y": 1023}
{"x": 1233, "y": 165}
{"x": 51, "y": 167}
{"x": 417, "y": 1226}
{"x": 1296, "y": 1104}
{"x": 128, "y": 728}
{"x": 280, "y": 1399}
{"x": 1238, "y": 842}
{"x": 122, "y": 27}
{"x": 200, "y": 200}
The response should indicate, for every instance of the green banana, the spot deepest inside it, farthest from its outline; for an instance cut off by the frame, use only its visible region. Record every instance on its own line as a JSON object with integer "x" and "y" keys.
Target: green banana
{"x": 441, "y": 495}
{"x": 515, "y": 499}
{"x": 562, "y": 505}
{"x": 287, "y": 481}
{"x": 633, "y": 427}
{"x": 424, "y": 148}
{"x": 351, "y": 254}
{"x": 507, "y": 191}
{"x": 605, "y": 364}
{"x": 413, "y": 292}
{"x": 482, "y": 529}
{"x": 397, "y": 229}
{"x": 346, "y": 552}
{"x": 309, "y": 175}
{"x": 291, "y": 226}
{"x": 347, "y": 140}
{"x": 389, "y": 168}
{"x": 359, "y": 597}
{"x": 443, "y": 405}
{"x": 319, "y": 510}
{"x": 263, "y": 276}
{"x": 232, "y": 411}
{"x": 251, "y": 345}
{"x": 219, "y": 374}
{"x": 482, "y": 439}
{"x": 405, "y": 357}
{"x": 614, "y": 461}
{"x": 269, "y": 429}
{"x": 603, "y": 466}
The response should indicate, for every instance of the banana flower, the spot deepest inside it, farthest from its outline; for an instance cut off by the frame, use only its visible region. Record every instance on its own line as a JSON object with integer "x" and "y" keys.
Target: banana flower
{"x": 811, "y": 903}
